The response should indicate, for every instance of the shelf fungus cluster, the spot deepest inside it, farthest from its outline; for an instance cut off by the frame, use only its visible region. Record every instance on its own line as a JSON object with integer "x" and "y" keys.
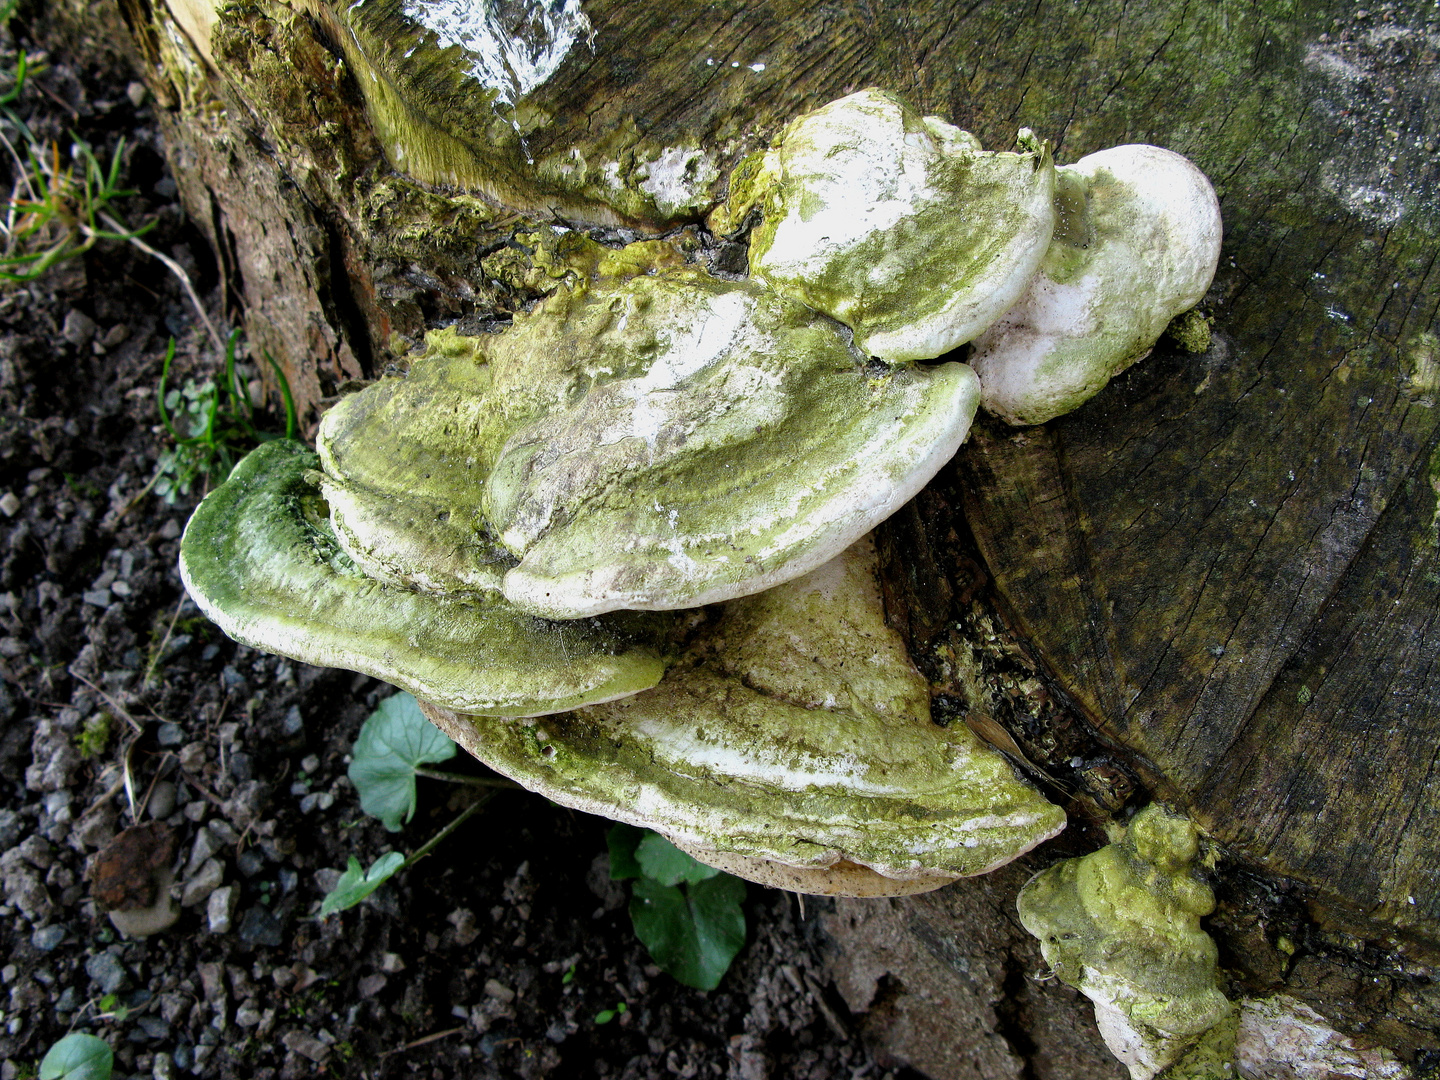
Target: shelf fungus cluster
{"x": 620, "y": 549}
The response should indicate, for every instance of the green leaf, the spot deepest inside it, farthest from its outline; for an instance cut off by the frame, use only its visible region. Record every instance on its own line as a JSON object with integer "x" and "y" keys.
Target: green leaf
{"x": 694, "y": 932}
{"x": 667, "y": 864}
{"x": 78, "y": 1057}
{"x": 622, "y": 840}
{"x": 394, "y": 740}
{"x": 356, "y": 884}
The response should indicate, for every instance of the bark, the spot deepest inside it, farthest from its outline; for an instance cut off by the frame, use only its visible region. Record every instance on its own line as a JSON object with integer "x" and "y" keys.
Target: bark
{"x": 1216, "y": 584}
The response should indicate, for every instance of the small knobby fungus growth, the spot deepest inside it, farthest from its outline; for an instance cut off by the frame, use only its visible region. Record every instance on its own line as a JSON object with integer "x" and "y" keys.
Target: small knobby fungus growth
{"x": 1122, "y": 925}
{"x": 638, "y": 516}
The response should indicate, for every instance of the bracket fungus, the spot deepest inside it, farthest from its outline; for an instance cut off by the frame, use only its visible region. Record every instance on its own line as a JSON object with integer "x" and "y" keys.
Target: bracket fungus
{"x": 1122, "y": 925}
{"x": 619, "y": 549}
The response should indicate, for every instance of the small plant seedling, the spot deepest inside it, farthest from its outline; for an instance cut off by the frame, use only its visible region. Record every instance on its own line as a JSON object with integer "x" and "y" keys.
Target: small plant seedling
{"x": 78, "y": 1057}
{"x": 356, "y": 883}
{"x": 395, "y": 741}
{"x": 569, "y": 976}
{"x": 395, "y": 745}
{"x": 219, "y": 420}
{"x": 604, "y": 1016}
{"x": 687, "y": 915}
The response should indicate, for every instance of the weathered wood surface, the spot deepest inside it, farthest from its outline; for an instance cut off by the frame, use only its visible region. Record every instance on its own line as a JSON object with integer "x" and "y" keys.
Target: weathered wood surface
{"x": 1231, "y": 560}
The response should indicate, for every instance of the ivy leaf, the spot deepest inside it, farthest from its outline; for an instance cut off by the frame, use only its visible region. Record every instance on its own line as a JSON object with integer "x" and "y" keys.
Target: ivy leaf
{"x": 664, "y": 862}
{"x": 394, "y": 740}
{"x": 622, "y": 840}
{"x": 356, "y": 884}
{"x": 693, "y": 932}
{"x": 78, "y": 1057}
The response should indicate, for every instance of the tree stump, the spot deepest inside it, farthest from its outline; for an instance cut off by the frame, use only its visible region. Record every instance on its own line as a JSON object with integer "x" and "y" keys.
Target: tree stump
{"x": 1218, "y": 581}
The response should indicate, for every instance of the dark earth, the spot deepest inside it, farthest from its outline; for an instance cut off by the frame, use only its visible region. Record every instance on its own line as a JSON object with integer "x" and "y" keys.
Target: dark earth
{"x": 493, "y": 957}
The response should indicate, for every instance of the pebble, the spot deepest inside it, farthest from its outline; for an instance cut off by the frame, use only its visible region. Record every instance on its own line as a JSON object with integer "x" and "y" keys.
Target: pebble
{"x": 196, "y": 809}
{"x": 9, "y": 504}
{"x": 220, "y": 909}
{"x": 499, "y": 991}
{"x": 292, "y": 723}
{"x": 120, "y": 588}
{"x": 162, "y": 1068}
{"x": 107, "y": 972}
{"x": 391, "y": 963}
{"x": 310, "y": 764}
{"x": 370, "y": 985}
{"x": 306, "y": 1046}
{"x": 247, "y": 1015}
{"x": 136, "y": 91}
{"x": 97, "y": 598}
{"x": 192, "y": 757}
{"x": 205, "y": 847}
{"x": 117, "y": 333}
{"x": 48, "y": 938}
{"x": 260, "y": 926}
{"x": 162, "y": 799}
{"x": 202, "y": 883}
{"x": 170, "y": 530}
{"x": 78, "y": 328}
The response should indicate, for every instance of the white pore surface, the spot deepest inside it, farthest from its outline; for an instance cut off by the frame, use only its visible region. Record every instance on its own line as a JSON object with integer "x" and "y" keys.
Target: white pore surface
{"x": 514, "y": 46}
{"x": 1156, "y": 247}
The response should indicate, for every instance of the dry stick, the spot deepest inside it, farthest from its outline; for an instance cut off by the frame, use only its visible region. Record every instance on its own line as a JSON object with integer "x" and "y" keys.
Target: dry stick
{"x": 135, "y": 724}
{"x": 426, "y": 1039}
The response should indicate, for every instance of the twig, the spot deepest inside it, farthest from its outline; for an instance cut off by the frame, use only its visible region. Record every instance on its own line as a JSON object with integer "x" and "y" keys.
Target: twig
{"x": 179, "y": 604}
{"x": 422, "y": 1041}
{"x": 176, "y": 269}
{"x": 134, "y": 724}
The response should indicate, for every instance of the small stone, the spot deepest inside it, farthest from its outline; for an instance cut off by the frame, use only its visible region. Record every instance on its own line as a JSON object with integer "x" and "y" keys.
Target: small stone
{"x": 79, "y": 328}
{"x": 9, "y": 504}
{"x": 168, "y": 735}
{"x": 220, "y": 909}
{"x": 170, "y": 530}
{"x": 463, "y": 920}
{"x": 499, "y": 991}
{"x": 247, "y": 1015}
{"x": 205, "y": 847}
{"x": 120, "y": 588}
{"x": 196, "y": 809}
{"x": 105, "y": 969}
{"x": 391, "y": 963}
{"x": 306, "y": 1046}
{"x": 192, "y": 757}
{"x": 310, "y": 764}
{"x": 116, "y": 334}
{"x": 212, "y": 981}
{"x": 202, "y": 883}
{"x": 292, "y": 723}
{"x": 370, "y": 985}
{"x": 162, "y": 1069}
{"x": 48, "y": 938}
{"x": 162, "y": 800}
{"x": 136, "y": 92}
{"x": 260, "y": 926}
{"x": 97, "y": 598}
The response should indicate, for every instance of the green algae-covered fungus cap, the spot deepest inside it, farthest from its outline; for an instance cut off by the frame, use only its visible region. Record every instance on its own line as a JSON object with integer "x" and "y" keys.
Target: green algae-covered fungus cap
{"x": 792, "y": 744}
{"x": 1122, "y": 925}
{"x": 664, "y": 442}
{"x": 898, "y": 225}
{"x": 260, "y": 559}
{"x": 1137, "y": 243}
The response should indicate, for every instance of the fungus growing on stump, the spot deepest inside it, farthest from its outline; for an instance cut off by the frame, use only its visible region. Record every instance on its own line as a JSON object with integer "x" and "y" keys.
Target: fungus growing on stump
{"x": 620, "y": 549}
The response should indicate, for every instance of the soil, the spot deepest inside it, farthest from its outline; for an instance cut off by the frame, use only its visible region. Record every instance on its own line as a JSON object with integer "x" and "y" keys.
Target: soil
{"x": 496, "y": 956}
